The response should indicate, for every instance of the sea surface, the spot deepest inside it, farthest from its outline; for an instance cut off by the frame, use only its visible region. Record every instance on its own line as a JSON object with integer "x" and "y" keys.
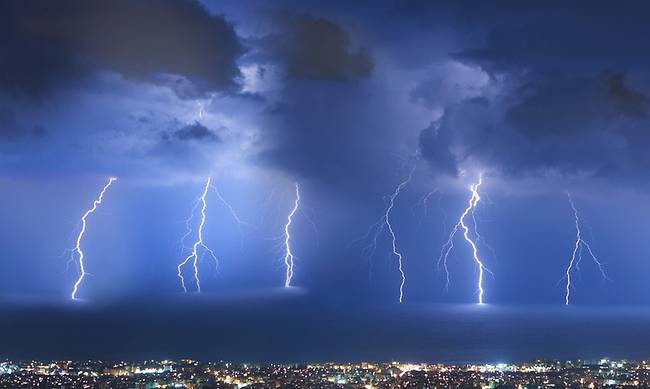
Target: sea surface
{"x": 278, "y": 327}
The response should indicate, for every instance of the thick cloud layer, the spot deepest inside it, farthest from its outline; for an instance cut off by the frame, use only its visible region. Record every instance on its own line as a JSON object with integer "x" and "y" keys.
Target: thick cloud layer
{"x": 46, "y": 44}
{"x": 319, "y": 49}
{"x": 317, "y": 117}
{"x": 568, "y": 95}
{"x": 196, "y": 131}
{"x": 510, "y": 91}
{"x": 562, "y": 37}
{"x": 582, "y": 126}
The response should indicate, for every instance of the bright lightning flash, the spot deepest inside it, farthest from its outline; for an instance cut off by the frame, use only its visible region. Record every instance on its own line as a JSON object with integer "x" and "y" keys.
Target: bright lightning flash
{"x": 384, "y": 222}
{"x": 449, "y": 245}
{"x": 288, "y": 254}
{"x": 77, "y": 249}
{"x": 576, "y": 256}
{"x": 198, "y": 244}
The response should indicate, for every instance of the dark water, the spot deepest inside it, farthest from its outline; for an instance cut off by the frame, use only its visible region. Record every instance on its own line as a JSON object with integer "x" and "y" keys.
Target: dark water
{"x": 294, "y": 328}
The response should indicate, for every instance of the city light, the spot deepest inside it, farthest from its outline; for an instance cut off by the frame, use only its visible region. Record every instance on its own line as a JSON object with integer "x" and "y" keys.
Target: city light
{"x": 191, "y": 374}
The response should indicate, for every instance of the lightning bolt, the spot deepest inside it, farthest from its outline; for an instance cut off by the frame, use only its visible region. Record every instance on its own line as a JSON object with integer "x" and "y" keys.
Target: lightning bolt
{"x": 384, "y": 223}
{"x": 396, "y": 252}
{"x": 288, "y": 254}
{"x": 198, "y": 244}
{"x": 188, "y": 227}
{"x": 77, "y": 249}
{"x": 449, "y": 245}
{"x": 201, "y": 104}
{"x": 228, "y": 206}
{"x": 576, "y": 256}
{"x": 424, "y": 200}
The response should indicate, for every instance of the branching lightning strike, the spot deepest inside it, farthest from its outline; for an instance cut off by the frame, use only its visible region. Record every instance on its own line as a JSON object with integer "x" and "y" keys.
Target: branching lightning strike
{"x": 288, "y": 253}
{"x": 194, "y": 255}
{"x": 384, "y": 223}
{"x": 576, "y": 256}
{"x": 228, "y": 206}
{"x": 77, "y": 249}
{"x": 424, "y": 200}
{"x": 188, "y": 226}
{"x": 462, "y": 224}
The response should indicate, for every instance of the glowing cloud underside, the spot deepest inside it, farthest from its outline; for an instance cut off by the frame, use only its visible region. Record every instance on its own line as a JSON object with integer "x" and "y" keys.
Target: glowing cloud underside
{"x": 462, "y": 224}
{"x": 198, "y": 244}
{"x": 77, "y": 249}
{"x": 576, "y": 256}
{"x": 288, "y": 253}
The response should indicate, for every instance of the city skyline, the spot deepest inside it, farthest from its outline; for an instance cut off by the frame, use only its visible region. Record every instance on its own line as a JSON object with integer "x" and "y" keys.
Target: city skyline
{"x": 368, "y": 375}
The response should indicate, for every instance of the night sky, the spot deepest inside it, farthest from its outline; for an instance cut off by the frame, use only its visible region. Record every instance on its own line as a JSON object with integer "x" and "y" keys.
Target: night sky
{"x": 345, "y": 99}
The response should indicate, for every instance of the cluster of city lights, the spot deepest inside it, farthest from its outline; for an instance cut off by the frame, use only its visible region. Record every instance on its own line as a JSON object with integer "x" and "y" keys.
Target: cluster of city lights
{"x": 191, "y": 373}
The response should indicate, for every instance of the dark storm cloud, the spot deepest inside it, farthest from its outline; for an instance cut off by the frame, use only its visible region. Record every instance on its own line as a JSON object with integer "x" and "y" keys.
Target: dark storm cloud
{"x": 184, "y": 148}
{"x": 47, "y": 43}
{"x": 326, "y": 134}
{"x": 317, "y": 48}
{"x": 559, "y": 106}
{"x": 435, "y": 148}
{"x": 318, "y": 124}
{"x": 569, "y": 91}
{"x": 594, "y": 126}
{"x": 567, "y": 36}
{"x": 197, "y": 132}
{"x": 310, "y": 142}
{"x": 12, "y": 130}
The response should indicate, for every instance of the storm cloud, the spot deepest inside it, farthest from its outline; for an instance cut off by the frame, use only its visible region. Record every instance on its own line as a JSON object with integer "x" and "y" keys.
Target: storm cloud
{"x": 575, "y": 126}
{"x": 567, "y": 97}
{"x": 319, "y": 49}
{"x": 195, "y": 131}
{"x": 47, "y": 44}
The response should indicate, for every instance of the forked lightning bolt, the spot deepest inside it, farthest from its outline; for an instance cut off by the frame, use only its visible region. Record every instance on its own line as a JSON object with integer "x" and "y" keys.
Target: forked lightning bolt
{"x": 462, "y": 224}
{"x": 396, "y": 252}
{"x": 77, "y": 249}
{"x": 198, "y": 244}
{"x": 288, "y": 253}
{"x": 384, "y": 222}
{"x": 576, "y": 256}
